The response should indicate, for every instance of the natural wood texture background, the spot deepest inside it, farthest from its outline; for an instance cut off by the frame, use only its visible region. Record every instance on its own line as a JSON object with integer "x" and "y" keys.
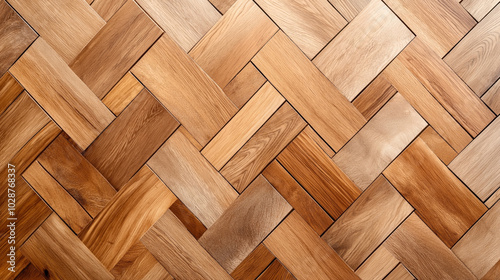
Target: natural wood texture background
{"x": 251, "y": 139}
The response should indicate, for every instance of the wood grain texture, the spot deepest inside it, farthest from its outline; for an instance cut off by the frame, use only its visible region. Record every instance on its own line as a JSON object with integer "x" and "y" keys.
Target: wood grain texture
{"x": 185, "y": 21}
{"x": 349, "y": 8}
{"x": 317, "y": 173}
{"x": 416, "y": 246}
{"x": 253, "y": 265}
{"x": 61, "y": 93}
{"x": 492, "y": 97}
{"x": 321, "y": 143}
{"x": 276, "y": 271}
{"x": 15, "y": 37}
{"x": 306, "y": 88}
{"x": 144, "y": 266}
{"x": 192, "y": 179}
{"x": 393, "y": 127}
{"x": 478, "y": 248}
{"x": 378, "y": 34}
{"x": 30, "y": 273}
{"x": 309, "y": 24}
{"x": 374, "y": 97}
{"x": 493, "y": 199}
{"x": 378, "y": 265}
{"x": 67, "y": 30}
{"x": 443, "y": 202}
{"x": 399, "y": 273}
{"x": 251, "y": 217}
{"x": 244, "y": 85}
{"x": 298, "y": 198}
{"x": 494, "y": 272}
{"x": 177, "y": 250}
{"x": 222, "y": 5}
{"x": 122, "y": 93}
{"x": 446, "y": 86}
{"x": 242, "y": 126}
{"x": 101, "y": 64}
{"x": 131, "y": 139}
{"x": 70, "y": 259}
{"x": 193, "y": 225}
{"x": 438, "y": 145}
{"x": 9, "y": 90}
{"x": 478, "y": 9}
{"x": 303, "y": 252}
{"x": 107, "y": 8}
{"x": 475, "y": 58}
{"x": 233, "y": 41}
{"x": 263, "y": 147}
{"x": 187, "y": 92}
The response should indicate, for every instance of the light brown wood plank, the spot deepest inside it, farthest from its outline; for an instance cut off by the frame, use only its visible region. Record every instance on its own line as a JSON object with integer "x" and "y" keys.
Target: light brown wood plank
{"x": 177, "y": 250}
{"x": 233, "y": 41}
{"x": 307, "y": 89}
{"x": 374, "y": 96}
{"x": 256, "y": 212}
{"x": 317, "y": 173}
{"x": 70, "y": 259}
{"x": 145, "y": 267}
{"x": 399, "y": 273}
{"x": 184, "y": 89}
{"x": 493, "y": 199}
{"x": 349, "y": 8}
{"x": 263, "y": 147}
{"x": 244, "y": 85}
{"x": 67, "y": 30}
{"x": 190, "y": 137}
{"x": 453, "y": 94}
{"x": 377, "y": 34}
{"x": 378, "y": 265}
{"x": 416, "y": 246}
{"x": 192, "y": 179}
{"x": 107, "y": 8}
{"x": 122, "y": 94}
{"x": 321, "y": 143}
{"x": 242, "y": 126}
{"x": 492, "y": 97}
{"x": 494, "y": 273}
{"x": 253, "y": 265}
{"x": 276, "y": 271}
{"x": 303, "y": 252}
{"x": 185, "y": 21}
{"x": 9, "y": 90}
{"x": 438, "y": 146}
{"x": 478, "y": 8}
{"x": 195, "y": 227}
{"x": 131, "y": 139}
{"x": 443, "y": 202}
{"x": 393, "y": 127}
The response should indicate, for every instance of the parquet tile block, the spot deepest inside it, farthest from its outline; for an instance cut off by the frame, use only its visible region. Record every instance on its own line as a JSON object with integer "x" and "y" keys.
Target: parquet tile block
{"x": 107, "y": 8}
{"x": 478, "y": 9}
{"x": 276, "y": 271}
{"x": 438, "y": 145}
{"x": 195, "y": 227}
{"x": 400, "y": 273}
{"x": 255, "y": 263}
{"x": 9, "y": 90}
{"x": 492, "y": 97}
{"x": 374, "y": 96}
{"x": 122, "y": 94}
{"x": 349, "y": 8}
{"x": 243, "y": 86}
{"x": 380, "y": 263}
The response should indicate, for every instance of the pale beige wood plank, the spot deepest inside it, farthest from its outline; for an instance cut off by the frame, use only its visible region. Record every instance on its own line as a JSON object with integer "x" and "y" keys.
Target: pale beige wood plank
{"x": 259, "y": 208}
{"x": 479, "y": 8}
{"x": 222, "y": 5}
{"x": 187, "y": 92}
{"x": 69, "y": 258}
{"x": 263, "y": 147}
{"x": 453, "y": 94}
{"x": 493, "y": 199}
{"x": 67, "y": 26}
{"x": 243, "y": 126}
{"x": 478, "y": 248}
{"x": 416, "y": 246}
{"x": 437, "y": 144}
{"x": 122, "y": 94}
{"x": 309, "y": 91}
{"x": 399, "y": 273}
{"x": 303, "y": 252}
{"x": 177, "y": 250}
{"x": 61, "y": 93}
{"x": 377, "y": 34}
{"x": 475, "y": 58}
{"x": 244, "y": 85}
{"x": 393, "y": 127}
{"x": 492, "y": 97}
{"x": 185, "y": 21}
{"x": 192, "y": 179}
{"x": 233, "y": 41}
{"x": 443, "y": 202}
{"x": 349, "y": 8}
{"x": 378, "y": 265}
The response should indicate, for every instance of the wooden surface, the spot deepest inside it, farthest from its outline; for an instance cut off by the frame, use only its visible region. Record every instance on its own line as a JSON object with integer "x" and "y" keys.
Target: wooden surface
{"x": 244, "y": 85}
{"x": 378, "y": 265}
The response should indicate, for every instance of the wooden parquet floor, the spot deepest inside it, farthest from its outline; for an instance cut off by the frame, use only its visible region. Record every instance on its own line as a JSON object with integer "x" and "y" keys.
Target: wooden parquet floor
{"x": 240, "y": 139}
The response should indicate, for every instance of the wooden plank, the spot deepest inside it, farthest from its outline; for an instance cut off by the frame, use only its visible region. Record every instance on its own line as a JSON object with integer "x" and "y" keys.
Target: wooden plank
{"x": 478, "y": 9}
{"x": 9, "y": 90}
{"x": 192, "y": 179}
{"x": 70, "y": 259}
{"x": 426, "y": 105}
{"x": 443, "y": 202}
{"x": 222, "y": 5}
{"x": 309, "y": 24}
{"x": 145, "y": 267}
{"x": 195, "y": 227}
{"x": 349, "y": 8}
{"x": 453, "y": 94}
{"x": 185, "y": 90}
{"x": 367, "y": 222}
{"x": 298, "y": 198}
{"x": 374, "y": 96}
{"x": 494, "y": 273}
{"x": 393, "y": 127}
{"x": 303, "y": 252}
{"x": 177, "y": 250}
{"x": 15, "y": 37}
{"x": 416, "y": 246}
{"x": 475, "y": 57}
{"x": 242, "y": 126}
{"x": 492, "y": 97}
{"x": 321, "y": 143}
{"x": 107, "y": 8}
{"x": 400, "y": 273}
{"x": 378, "y": 265}
{"x": 66, "y": 30}
{"x": 122, "y": 94}
{"x": 101, "y": 64}
{"x": 260, "y": 208}
{"x": 131, "y": 139}
{"x": 253, "y": 265}
{"x": 190, "y": 137}
{"x": 438, "y": 24}
{"x": 276, "y": 271}
{"x": 244, "y": 85}
{"x": 307, "y": 89}
{"x": 493, "y": 199}
{"x": 30, "y": 273}
{"x": 61, "y": 202}
{"x": 376, "y": 33}
{"x": 263, "y": 147}
{"x": 317, "y": 173}
{"x": 77, "y": 175}
{"x": 478, "y": 248}
{"x": 233, "y": 41}
{"x": 185, "y": 21}
{"x": 61, "y": 93}
{"x": 438, "y": 146}
{"x": 113, "y": 231}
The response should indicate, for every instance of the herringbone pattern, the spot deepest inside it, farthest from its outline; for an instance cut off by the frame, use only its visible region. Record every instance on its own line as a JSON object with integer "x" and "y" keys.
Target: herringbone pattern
{"x": 240, "y": 139}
